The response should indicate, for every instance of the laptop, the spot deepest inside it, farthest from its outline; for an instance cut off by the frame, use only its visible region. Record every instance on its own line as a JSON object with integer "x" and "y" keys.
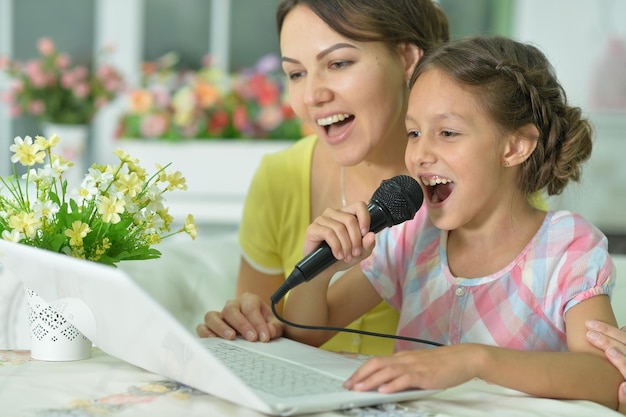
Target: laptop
{"x": 115, "y": 313}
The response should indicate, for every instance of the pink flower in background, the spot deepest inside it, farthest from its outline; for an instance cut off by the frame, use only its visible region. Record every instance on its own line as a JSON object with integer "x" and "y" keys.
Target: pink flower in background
{"x": 210, "y": 103}
{"x": 37, "y": 107}
{"x": 53, "y": 89}
{"x": 45, "y": 46}
{"x": 154, "y": 125}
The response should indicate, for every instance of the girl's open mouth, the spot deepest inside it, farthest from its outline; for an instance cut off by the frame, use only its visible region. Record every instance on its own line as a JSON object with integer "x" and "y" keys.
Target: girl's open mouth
{"x": 437, "y": 188}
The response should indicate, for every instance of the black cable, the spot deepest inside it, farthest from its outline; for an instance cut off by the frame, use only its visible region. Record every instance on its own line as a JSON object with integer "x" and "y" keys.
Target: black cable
{"x": 343, "y": 329}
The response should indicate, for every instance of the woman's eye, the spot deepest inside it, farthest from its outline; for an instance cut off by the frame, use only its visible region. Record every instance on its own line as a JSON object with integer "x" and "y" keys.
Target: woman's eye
{"x": 295, "y": 75}
{"x": 413, "y": 134}
{"x": 340, "y": 64}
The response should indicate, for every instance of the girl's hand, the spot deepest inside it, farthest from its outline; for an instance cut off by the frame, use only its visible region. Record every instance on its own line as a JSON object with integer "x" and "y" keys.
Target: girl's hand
{"x": 613, "y": 342}
{"x": 246, "y": 315}
{"x": 435, "y": 368}
{"x": 346, "y": 231}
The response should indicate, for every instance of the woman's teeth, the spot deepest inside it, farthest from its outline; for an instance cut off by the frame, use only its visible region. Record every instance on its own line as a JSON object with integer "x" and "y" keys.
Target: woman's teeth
{"x": 325, "y": 121}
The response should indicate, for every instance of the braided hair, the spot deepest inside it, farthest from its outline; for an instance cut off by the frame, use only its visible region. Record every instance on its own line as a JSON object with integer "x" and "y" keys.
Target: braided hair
{"x": 516, "y": 86}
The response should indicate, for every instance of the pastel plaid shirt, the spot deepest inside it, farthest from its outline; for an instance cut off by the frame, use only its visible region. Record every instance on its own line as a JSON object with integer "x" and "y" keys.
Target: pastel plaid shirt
{"x": 521, "y": 306}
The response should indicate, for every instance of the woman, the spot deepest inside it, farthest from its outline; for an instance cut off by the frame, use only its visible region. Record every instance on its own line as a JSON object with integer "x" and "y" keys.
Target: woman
{"x": 330, "y": 50}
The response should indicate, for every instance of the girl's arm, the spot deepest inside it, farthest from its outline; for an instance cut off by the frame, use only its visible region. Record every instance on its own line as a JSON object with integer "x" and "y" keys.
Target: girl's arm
{"x": 314, "y": 303}
{"x": 581, "y": 373}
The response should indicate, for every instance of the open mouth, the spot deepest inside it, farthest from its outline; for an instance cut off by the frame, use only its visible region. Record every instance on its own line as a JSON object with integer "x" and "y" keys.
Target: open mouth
{"x": 437, "y": 188}
{"x": 334, "y": 124}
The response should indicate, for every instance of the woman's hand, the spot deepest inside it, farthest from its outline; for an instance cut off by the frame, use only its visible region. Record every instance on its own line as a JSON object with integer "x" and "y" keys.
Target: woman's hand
{"x": 247, "y": 315}
{"x": 613, "y": 342}
{"x": 437, "y": 368}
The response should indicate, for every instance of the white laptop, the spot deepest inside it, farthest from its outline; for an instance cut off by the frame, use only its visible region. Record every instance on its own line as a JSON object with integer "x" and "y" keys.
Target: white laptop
{"x": 109, "y": 308}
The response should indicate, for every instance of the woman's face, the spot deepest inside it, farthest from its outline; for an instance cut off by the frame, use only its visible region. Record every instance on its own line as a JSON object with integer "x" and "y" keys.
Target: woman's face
{"x": 353, "y": 94}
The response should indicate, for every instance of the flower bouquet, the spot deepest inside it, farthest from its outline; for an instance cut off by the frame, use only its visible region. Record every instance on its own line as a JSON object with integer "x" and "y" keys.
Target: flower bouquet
{"x": 117, "y": 212}
{"x": 210, "y": 103}
{"x": 54, "y": 89}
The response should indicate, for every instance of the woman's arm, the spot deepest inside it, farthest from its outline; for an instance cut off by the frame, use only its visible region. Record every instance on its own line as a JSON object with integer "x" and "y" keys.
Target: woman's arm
{"x": 613, "y": 342}
{"x": 249, "y": 313}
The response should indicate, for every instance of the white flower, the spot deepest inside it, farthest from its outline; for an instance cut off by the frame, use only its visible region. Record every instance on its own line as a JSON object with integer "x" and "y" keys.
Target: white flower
{"x": 12, "y": 236}
{"x": 45, "y": 209}
{"x": 85, "y": 192}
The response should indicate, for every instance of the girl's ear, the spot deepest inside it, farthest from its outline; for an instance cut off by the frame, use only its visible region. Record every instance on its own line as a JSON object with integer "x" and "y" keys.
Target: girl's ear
{"x": 410, "y": 53}
{"x": 520, "y": 145}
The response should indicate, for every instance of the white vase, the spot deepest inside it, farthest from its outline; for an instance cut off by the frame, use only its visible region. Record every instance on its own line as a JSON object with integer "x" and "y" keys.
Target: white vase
{"x": 72, "y": 147}
{"x": 53, "y": 337}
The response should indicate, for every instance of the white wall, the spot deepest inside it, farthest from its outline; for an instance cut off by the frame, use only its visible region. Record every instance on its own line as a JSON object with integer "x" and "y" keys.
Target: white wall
{"x": 574, "y": 34}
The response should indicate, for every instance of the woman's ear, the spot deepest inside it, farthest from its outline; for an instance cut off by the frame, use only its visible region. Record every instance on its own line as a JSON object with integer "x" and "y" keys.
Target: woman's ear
{"x": 411, "y": 54}
{"x": 520, "y": 145}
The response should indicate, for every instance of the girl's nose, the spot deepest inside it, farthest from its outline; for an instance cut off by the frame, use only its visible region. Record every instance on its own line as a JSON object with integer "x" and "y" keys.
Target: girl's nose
{"x": 419, "y": 152}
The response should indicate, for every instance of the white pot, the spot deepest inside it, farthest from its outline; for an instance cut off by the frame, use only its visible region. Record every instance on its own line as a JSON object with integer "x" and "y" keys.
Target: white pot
{"x": 53, "y": 337}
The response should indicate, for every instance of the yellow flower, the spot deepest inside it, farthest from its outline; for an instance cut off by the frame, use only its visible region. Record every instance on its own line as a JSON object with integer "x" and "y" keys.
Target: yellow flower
{"x": 47, "y": 143}
{"x": 77, "y": 233}
{"x": 176, "y": 180}
{"x": 110, "y": 209}
{"x": 26, "y": 223}
{"x": 129, "y": 184}
{"x": 190, "y": 228}
{"x": 125, "y": 157}
{"x": 27, "y": 152}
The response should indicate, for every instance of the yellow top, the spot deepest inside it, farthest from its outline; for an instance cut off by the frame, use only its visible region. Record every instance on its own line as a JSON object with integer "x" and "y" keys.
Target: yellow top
{"x": 275, "y": 218}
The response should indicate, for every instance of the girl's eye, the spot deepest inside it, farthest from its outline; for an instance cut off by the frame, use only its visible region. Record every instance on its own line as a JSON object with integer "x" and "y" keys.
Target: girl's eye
{"x": 448, "y": 133}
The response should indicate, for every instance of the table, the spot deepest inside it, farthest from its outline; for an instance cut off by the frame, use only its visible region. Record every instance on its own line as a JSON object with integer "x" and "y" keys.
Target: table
{"x": 106, "y": 386}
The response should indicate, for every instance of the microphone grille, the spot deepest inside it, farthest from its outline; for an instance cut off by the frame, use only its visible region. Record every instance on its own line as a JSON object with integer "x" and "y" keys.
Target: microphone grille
{"x": 401, "y": 195}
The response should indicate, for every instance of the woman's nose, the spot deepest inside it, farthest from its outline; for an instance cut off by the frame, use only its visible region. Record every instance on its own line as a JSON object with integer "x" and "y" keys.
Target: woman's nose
{"x": 316, "y": 92}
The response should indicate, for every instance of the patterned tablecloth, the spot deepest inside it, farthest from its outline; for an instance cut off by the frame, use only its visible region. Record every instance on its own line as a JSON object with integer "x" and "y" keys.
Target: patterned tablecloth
{"x": 105, "y": 386}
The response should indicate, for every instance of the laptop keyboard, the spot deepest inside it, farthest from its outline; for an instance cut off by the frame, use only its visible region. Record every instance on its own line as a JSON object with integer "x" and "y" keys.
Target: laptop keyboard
{"x": 273, "y": 376}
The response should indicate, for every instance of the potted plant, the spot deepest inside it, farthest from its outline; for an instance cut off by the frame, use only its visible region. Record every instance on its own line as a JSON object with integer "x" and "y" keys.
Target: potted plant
{"x": 116, "y": 213}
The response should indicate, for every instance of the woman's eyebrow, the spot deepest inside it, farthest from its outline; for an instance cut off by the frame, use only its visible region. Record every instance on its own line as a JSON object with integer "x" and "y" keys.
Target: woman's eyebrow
{"x": 321, "y": 54}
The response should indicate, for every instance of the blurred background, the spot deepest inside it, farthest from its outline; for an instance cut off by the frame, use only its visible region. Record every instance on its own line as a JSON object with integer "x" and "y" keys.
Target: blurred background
{"x": 585, "y": 41}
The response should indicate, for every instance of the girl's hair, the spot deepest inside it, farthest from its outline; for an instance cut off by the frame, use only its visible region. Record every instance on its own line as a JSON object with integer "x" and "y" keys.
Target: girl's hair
{"x": 517, "y": 86}
{"x": 419, "y": 22}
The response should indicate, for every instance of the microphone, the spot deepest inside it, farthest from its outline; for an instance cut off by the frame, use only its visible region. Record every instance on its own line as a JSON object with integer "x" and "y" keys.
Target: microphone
{"x": 395, "y": 201}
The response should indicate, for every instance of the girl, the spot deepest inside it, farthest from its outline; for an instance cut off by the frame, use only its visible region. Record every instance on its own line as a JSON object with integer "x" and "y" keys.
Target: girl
{"x": 505, "y": 287}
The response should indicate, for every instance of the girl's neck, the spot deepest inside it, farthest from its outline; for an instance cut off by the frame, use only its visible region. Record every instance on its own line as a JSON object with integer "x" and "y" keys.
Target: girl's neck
{"x": 486, "y": 249}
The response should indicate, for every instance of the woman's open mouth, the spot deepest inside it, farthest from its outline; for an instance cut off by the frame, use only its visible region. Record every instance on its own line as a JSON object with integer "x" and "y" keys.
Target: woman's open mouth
{"x": 334, "y": 124}
{"x": 437, "y": 188}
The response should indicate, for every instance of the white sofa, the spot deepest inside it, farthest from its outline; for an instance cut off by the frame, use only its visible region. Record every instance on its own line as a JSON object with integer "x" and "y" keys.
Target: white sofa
{"x": 190, "y": 278}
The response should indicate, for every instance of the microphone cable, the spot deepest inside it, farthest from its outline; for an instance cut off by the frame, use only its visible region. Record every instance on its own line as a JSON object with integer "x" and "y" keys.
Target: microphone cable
{"x": 346, "y": 330}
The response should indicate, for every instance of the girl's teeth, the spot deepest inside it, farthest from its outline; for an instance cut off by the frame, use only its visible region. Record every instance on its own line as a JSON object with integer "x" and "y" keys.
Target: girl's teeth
{"x": 435, "y": 181}
{"x": 325, "y": 121}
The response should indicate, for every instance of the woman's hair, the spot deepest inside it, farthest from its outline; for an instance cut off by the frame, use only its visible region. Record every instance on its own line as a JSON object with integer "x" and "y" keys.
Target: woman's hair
{"x": 419, "y": 22}
{"x": 517, "y": 86}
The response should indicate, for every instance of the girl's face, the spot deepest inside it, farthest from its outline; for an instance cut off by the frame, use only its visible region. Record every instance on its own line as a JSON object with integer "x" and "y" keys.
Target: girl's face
{"x": 455, "y": 151}
{"x": 353, "y": 94}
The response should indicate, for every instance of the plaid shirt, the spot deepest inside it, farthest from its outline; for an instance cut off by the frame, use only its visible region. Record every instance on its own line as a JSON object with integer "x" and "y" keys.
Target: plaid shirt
{"x": 521, "y": 306}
